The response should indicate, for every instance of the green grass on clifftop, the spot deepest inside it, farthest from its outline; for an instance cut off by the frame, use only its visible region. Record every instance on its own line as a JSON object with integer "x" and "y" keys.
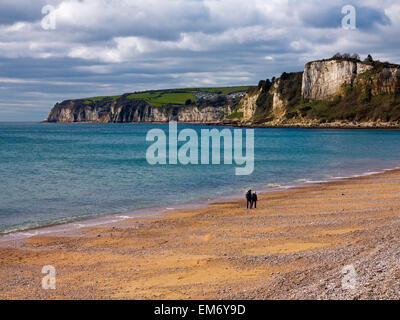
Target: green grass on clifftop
{"x": 175, "y": 97}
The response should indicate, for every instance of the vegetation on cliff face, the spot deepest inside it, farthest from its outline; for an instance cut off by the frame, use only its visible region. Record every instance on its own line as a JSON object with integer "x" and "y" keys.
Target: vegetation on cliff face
{"x": 373, "y": 96}
{"x": 354, "y": 105}
{"x": 357, "y": 102}
{"x": 288, "y": 87}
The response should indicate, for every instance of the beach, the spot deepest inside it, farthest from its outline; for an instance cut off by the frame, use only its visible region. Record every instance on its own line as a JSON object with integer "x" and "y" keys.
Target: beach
{"x": 293, "y": 246}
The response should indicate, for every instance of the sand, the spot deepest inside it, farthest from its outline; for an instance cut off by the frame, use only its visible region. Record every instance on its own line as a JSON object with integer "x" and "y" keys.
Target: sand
{"x": 293, "y": 246}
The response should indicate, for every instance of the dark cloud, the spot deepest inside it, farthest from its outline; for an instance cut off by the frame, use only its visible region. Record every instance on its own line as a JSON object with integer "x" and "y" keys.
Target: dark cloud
{"x": 20, "y": 10}
{"x": 367, "y": 18}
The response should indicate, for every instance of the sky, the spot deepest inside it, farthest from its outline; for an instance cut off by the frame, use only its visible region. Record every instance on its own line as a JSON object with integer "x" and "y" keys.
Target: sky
{"x": 85, "y": 48}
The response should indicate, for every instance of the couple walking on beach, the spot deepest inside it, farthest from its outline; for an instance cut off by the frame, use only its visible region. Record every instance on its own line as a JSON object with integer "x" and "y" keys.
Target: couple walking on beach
{"x": 251, "y": 199}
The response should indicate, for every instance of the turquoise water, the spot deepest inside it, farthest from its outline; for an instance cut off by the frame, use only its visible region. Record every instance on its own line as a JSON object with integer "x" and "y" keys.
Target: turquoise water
{"x": 52, "y": 173}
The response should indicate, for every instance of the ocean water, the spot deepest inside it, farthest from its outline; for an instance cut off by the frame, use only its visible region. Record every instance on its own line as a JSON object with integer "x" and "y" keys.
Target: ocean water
{"x": 56, "y": 173}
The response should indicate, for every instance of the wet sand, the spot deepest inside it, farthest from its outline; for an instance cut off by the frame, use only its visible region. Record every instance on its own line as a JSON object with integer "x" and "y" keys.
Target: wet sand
{"x": 293, "y": 246}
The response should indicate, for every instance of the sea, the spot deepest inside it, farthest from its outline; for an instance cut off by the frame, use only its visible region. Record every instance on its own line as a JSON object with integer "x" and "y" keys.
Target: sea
{"x": 52, "y": 174}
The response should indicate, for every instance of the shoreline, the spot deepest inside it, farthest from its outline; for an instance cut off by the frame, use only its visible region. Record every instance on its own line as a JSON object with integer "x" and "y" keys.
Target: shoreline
{"x": 237, "y": 124}
{"x": 293, "y": 246}
{"x": 81, "y": 223}
{"x": 74, "y": 224}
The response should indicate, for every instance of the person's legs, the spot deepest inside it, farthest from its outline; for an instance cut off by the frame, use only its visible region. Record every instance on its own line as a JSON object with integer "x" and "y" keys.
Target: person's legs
{"x": 251, "y": 204}
{"x": 247, "y": 203}
{"x": 255, "y": 204}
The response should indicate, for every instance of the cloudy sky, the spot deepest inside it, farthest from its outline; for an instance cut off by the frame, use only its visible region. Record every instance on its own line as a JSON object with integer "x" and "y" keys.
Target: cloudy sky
{"x": 104, "y": 47}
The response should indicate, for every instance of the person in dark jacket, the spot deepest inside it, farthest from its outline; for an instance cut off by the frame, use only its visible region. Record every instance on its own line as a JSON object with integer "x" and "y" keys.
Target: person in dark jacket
{"x": 254, "y": 200}
{"x": 248, "y": 199}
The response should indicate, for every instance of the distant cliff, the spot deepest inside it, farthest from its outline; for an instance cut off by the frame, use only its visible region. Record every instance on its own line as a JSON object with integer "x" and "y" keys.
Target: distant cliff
{"x": 134, "y": 111}
{"x": 152, "y": 106}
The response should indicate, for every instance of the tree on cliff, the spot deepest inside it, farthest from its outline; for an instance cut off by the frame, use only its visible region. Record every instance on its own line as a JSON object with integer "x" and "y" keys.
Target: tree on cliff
{"x": 265, "y": 85}
{"x": 369, "y": 59}
{"x": 337, "y": 56}
{"x": 284, "y": 76}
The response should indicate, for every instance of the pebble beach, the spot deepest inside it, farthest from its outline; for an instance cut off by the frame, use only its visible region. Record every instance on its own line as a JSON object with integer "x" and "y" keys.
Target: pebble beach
{"x": 293, "y": 246}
